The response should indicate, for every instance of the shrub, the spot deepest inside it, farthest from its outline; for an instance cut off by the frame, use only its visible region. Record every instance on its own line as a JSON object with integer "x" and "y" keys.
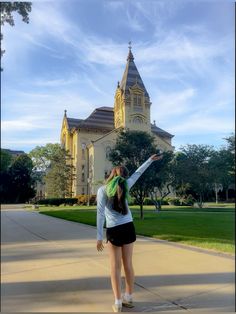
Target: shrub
{"x": 132, "y": 201}
{"x": 174, "y": 201}
{"x": 148, "y": 201}
{"x": 83, "y": 199}
{"x": 57, "y": 201}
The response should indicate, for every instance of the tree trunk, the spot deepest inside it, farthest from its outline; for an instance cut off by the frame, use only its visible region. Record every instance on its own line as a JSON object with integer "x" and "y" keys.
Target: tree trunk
{"x": 141, "y": 210}
{"x": 227, "y": 194}
{"x": 216, "y": 193}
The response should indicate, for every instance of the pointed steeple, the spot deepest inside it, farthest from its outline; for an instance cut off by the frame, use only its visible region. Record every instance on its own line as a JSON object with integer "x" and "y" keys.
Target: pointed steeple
{"x": 131, "y": 75}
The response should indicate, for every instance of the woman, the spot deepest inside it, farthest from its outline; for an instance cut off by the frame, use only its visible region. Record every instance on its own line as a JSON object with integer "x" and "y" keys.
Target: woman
{"x": 112, "y": 206}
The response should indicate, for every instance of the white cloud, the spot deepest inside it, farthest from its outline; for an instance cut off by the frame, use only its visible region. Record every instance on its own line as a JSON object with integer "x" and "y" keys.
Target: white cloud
{"x": 166, "y": 106}
{"x": 201, "y": 124}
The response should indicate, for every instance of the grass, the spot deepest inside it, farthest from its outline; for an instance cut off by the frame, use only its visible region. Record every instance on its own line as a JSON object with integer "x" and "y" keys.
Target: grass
{"x": 210, "y": 228}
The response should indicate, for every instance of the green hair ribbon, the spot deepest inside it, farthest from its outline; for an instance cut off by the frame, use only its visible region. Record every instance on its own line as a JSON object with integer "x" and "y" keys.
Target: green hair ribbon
{"x": 111, "y": 187}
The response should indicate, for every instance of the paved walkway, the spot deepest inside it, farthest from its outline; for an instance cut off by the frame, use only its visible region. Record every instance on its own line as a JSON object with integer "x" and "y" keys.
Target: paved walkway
{"x": 51, "y": 265}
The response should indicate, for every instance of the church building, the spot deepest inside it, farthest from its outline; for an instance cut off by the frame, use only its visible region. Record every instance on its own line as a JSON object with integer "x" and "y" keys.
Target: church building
{"x": 90, "y": 140}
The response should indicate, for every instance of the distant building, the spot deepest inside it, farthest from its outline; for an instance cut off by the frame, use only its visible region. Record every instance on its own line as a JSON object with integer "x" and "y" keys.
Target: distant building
{"x": 89, "y": 141}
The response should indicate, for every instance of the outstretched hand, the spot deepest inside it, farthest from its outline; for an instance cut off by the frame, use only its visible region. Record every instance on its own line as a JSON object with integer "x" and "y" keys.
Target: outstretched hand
{"x": 100, "y": 245}
{"x": 156, "y": 157}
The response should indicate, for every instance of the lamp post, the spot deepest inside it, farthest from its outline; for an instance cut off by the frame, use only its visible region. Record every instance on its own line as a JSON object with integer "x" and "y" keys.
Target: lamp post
{"x": 89, "y": 181}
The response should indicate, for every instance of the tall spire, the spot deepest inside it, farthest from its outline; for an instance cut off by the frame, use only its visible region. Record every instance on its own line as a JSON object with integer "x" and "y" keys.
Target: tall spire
{"x": 131, "y": 75}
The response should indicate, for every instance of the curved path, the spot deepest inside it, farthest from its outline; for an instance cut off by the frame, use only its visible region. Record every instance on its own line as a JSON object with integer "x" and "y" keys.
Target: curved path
{"x": 51, "y": 265}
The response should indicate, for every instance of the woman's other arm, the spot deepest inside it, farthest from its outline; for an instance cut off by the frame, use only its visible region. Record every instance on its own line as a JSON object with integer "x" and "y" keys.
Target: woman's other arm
{"x": 101, "y": 203}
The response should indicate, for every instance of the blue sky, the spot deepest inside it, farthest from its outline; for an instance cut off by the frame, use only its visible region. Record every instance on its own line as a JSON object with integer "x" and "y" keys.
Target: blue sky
{"x": 72, "y": 53}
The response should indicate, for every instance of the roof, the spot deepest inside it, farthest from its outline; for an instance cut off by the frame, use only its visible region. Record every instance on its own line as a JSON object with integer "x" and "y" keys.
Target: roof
{"x": 131, "y": 76}
{"x": 159, "y": 131}
{"x": 73, "y": 123}
{"x": 103, "y": 118}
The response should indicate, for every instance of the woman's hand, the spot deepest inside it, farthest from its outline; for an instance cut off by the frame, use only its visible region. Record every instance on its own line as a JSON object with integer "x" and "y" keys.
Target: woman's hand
{"x": 100, "y": 245}
{"x": 156, "y": 157}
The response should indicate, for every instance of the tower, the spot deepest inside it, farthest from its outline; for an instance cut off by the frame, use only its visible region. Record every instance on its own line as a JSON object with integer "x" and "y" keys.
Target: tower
{"x": 132, "y": 102}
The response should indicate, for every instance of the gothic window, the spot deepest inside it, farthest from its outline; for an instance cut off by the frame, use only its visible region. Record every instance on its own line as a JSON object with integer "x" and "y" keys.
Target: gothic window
{"x": 82, "y": 177}
{"x": 82, "y": 191}
{"x": 108, "y": 151}
{"x": 137, "y": 103}
{"x": 137, "y": 100}
{"x": 83, "y": 150}
{"x": 137, "y": 120}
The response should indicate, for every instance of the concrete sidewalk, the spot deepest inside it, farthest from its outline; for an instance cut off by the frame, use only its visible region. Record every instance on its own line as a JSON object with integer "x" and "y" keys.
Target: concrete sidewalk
{"x": 51, "y": 265}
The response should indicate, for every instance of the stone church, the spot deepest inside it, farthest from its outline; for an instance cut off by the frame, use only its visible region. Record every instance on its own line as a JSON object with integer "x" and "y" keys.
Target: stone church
{"x": 90, "y": 140}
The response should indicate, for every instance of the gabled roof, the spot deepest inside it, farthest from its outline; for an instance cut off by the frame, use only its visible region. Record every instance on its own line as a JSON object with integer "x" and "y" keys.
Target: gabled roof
{"x": 131, "y": 76}
{"x": 101, "y": 118}
{"x": 160, "y": 132}
{"x": 73, "y": 123}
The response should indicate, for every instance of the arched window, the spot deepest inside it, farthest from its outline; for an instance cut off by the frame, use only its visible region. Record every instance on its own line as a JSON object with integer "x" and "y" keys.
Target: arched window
{"x": 83, "y": 150}
{"x": 137, "y": 100}
{"x": 108, "y": 151}
{"x": 137, "y": 120}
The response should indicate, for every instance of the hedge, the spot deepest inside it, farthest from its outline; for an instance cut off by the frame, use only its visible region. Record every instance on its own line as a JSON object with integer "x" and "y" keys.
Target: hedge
{"x": 57, "y": 201}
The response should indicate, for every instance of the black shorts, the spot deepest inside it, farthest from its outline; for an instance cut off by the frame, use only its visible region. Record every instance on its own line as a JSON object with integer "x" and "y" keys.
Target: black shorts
{"x": 121, "y": 234}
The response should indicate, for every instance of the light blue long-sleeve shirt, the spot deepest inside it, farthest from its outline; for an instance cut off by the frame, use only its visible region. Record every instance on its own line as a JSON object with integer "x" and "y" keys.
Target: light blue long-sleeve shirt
{"x": 104, "y": 210}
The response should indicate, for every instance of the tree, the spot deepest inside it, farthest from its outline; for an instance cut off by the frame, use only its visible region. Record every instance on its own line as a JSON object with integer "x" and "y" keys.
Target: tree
{"x": 161, "y": 177}
{"x": 6, "y": 160}
{"x": 192, "y": 171}
{"x": 7, "y": 8}
{"x": 55, "y": 164}
{"x": 132, "y": 148}
{"x": 222, "y": 165}
{"x": 20, "y": 181}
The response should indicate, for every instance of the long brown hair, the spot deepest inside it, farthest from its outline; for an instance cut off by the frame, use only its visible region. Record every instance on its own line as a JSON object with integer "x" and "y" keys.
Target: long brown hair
{"x": 118, "y": 201}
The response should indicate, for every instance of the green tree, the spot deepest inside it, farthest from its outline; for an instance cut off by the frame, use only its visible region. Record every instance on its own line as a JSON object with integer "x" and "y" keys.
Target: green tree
{"x": 5, "y": 180}
{"x": 192, "y": 171}
{"x": 161, "y": 178}
{"x": 222, "y": 165}
{"x": 6, "y": 160}
{"x": 132, "y": 148}
{"x": 55, "y": 164}
{"x": 21, "y": 187}
{"x": 7, "y": 8}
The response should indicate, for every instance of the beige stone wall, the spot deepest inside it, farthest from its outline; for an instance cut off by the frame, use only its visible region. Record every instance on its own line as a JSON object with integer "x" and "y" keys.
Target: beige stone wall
{"x": 83, "y": 161}
{"x": 101, "y": 166}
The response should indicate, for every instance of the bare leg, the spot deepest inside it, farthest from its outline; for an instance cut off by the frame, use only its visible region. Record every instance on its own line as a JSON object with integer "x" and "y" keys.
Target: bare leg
{"x": 115, "y": 259}
{"x": 127, "y": 254}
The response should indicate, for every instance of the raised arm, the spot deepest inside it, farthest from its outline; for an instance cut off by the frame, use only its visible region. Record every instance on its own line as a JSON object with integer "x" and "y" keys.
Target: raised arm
{"x": 137, "y": 174}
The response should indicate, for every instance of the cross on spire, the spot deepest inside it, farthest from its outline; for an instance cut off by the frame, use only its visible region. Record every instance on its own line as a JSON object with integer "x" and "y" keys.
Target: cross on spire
{"x": 129, "y": 45}
{"x": 130, "y": 55}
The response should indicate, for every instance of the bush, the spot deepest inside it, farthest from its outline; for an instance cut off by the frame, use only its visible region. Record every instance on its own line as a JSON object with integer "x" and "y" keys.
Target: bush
{"x": 181, "y": 201}
{"x": 57, "y": 201}
{"x": 132, "y": 201}
{"x": 174, "y": 201}
{"x": 148, "y": 201}
{"x": 83, "y": 199}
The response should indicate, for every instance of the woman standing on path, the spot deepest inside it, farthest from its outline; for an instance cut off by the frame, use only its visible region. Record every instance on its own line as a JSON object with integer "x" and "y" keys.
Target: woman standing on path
{"x": 112, "y": 206}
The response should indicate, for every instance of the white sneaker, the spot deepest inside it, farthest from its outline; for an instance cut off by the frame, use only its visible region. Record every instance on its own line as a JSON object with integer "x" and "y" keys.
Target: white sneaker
{"x": 117, "y": 308}
{"x": 127, "y": 303}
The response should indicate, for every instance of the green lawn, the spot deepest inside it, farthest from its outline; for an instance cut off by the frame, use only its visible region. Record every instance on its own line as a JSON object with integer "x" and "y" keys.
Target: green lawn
{"x": 211, "y": 228}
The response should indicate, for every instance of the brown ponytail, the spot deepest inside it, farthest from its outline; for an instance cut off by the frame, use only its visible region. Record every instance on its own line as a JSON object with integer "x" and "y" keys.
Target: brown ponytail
{"x": 118, "y": 201}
